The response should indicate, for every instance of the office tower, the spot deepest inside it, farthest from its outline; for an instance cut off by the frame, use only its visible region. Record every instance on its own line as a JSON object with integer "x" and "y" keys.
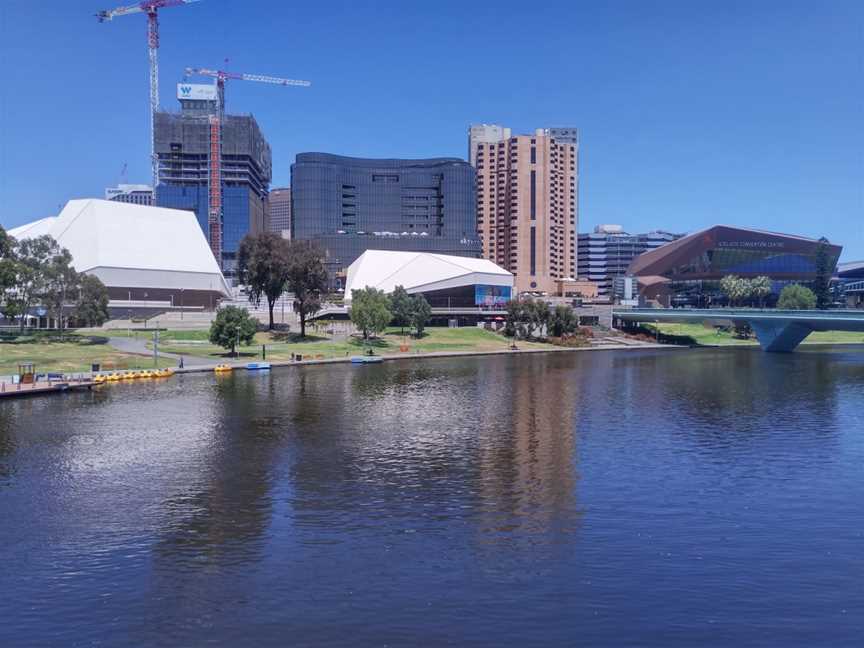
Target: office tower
{"x": 486, "y": 134}
{"x": 606, "y": 253}
{"x": 135, "y": 194}
{"x": 349, "y": 205}
{"x": 527, "y": 192}
{"x": 183, "y": 151}
{"x": 278, "y": 207}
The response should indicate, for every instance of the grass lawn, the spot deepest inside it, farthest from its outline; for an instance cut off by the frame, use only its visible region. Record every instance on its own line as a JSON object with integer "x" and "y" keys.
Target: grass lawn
{"x": 708, "y": 336}
{"x": 280, "y": 346}
{"x": 71, "y": 356}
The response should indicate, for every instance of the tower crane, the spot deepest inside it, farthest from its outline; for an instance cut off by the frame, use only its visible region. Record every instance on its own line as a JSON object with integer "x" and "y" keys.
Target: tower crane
{"x": 214, "y": 176}
{"x": 151, "y": 8}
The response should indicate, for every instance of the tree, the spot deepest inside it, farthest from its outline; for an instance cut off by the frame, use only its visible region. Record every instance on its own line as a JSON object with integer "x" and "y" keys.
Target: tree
{"x": 307, "y": 279}
{"x": 562, "y": 321}
{"x": 7, "y": 263}
{"x": 796, "y": 297}
{"x": 539, "y": 313}
{"x": 32, "y": 257}
{"x": 735, "y": 288}
{"x": 760, "y": 288}
{"x": 370, "y": 311}
{"x": 92, "y": 305}
{"x": 524, "y": 315}
{"x": 402, "y": 305}
{"x": 824, "y": 270}
{"x": 61, "y": 283}
{"x": 263, "y": 266}
{"x": 233, "y": 324}
{"x": 421, "y": 312}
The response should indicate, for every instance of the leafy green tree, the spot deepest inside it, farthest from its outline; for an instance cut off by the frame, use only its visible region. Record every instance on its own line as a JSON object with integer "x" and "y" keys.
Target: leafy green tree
{"x": 92, "y": 305}
{"x": 30, "y": 265}
{"x": 540, "y": 313}
{"x": 796, "y": 297}
{"x": 233, "y": 324}
{"x": 307, "y": 279}
{"x": 524, "y": 316}
{"x": 370, "y": 311}
{"x": 7, "y": 263}
{"x": 824, "y": 270}
{"x": 760, "y": 288}
{"x": 421, "y": 312}
{"x": 402, "y": 305}
{"x": 735, "y": 288}
{"x": 61, "y": 284}
{"x": 263, "y": 266}
{"x": 562, "y": 321}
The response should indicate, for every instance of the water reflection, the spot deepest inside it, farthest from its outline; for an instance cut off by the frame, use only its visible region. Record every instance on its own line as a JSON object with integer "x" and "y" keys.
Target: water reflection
{"x": 562, "y": 496}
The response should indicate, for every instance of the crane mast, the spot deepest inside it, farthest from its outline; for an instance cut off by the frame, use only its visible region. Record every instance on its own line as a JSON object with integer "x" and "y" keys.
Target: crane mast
{"x": 151, "y": 8}
{"x": 215, "y": 124}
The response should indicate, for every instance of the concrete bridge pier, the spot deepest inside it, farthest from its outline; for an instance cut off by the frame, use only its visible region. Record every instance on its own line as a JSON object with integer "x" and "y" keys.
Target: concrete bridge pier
{"x": 779, "y": 336}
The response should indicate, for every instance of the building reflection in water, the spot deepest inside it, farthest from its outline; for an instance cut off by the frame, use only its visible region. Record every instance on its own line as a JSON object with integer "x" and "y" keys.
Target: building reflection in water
{"x": 528, "y": 450}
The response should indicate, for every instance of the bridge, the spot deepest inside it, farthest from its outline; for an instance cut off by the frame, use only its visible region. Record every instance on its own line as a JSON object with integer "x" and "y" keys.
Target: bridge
{"x": 776, "y": 330}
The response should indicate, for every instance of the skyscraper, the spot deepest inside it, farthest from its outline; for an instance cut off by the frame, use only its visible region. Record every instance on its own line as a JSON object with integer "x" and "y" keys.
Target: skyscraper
{"x": 486, "y": 134}
{"x": 349, "y": 205}
{"x": 527, "y": 191}
{"x": 279, "y": 211}
{"x": 182, "y": 148}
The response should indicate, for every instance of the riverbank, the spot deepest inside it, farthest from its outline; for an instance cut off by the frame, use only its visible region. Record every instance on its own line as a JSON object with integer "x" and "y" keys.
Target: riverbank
{"x": 548, "y": 348}
{"x": 699, "y": 335}
{"x": 76, "y": 354}
{"x": 131, "y": 350}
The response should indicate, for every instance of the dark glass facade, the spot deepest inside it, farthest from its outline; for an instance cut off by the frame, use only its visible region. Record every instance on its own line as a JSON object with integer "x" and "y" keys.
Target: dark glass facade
{"x": 182, "y": 148}
{"x": 350, "y": 205}
{"x": 688, "y": 271}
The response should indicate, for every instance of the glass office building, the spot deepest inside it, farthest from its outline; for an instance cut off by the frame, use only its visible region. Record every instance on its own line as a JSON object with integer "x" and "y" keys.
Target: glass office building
{"x": 349, "y": 205}
{"x": 182, "y": 142}
{"x": 687, "y": 272}
{"x": 605, "y": 254}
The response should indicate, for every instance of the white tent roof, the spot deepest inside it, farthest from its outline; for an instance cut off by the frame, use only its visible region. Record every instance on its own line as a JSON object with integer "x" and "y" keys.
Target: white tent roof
{"x": 421, "y": 272}
{"x": 133, "y": 245}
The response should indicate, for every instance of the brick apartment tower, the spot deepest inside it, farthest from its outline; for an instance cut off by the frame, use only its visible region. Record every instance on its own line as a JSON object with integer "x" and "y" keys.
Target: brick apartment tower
{"x": 527, "y": 206}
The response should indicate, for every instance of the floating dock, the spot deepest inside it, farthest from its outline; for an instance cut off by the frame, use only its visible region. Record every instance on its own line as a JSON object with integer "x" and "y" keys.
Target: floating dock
{"x": 12, "y": 390}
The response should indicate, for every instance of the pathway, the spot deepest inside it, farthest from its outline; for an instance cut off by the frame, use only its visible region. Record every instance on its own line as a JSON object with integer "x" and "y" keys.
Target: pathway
{"x": 139, "y": 347}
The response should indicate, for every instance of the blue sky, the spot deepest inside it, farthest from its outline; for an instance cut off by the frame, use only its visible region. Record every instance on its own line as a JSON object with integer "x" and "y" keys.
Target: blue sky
{"x": 691, "y": 113}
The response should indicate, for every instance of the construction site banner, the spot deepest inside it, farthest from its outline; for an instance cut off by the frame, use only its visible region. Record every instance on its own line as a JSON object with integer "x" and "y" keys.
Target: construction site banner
{"x": 198, "y": 91}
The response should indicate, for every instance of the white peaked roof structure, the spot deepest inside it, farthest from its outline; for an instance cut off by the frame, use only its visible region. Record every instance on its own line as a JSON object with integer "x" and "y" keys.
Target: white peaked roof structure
{"x": 133, "y": 246}
{"x": 421, "y": 272}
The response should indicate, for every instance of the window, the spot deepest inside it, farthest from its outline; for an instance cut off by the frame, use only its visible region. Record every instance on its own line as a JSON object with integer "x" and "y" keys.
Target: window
{"x": 385, "y": 178}
{"x": 533, "y": 154}
{"x": 533, "y": 195}
{"x": 533, "y": 251}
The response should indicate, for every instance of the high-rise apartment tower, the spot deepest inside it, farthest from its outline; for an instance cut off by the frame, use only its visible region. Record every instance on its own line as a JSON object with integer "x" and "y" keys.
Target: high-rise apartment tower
{"x": 484, "y": 134}
{"x": 527, "y": 206}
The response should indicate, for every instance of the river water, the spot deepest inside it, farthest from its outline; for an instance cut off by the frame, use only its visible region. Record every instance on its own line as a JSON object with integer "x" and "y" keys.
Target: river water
{"x": 670, "y": 498}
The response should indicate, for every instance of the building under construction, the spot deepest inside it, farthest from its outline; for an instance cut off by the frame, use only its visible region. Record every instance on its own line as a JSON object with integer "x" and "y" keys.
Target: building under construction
{"x": 183, "y": 143}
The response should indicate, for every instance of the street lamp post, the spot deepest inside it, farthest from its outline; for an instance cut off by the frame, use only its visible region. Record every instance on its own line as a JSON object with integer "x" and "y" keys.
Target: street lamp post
{"x": 237, "y": 346}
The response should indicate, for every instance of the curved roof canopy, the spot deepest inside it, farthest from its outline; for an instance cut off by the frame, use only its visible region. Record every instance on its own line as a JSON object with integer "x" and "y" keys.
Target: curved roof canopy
{"x": 666, "y": 259}
{"x": 133, "y": 245}
{"x": 421, "y": 272}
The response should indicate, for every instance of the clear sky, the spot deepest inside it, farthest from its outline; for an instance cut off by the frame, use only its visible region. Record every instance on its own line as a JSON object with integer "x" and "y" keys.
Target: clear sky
{"x": 691, "y": 113}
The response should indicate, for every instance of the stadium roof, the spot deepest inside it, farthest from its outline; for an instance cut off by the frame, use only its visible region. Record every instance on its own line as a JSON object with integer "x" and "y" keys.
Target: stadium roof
{"x": 133, "y": 246}
{"x": 421, "y": 272}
